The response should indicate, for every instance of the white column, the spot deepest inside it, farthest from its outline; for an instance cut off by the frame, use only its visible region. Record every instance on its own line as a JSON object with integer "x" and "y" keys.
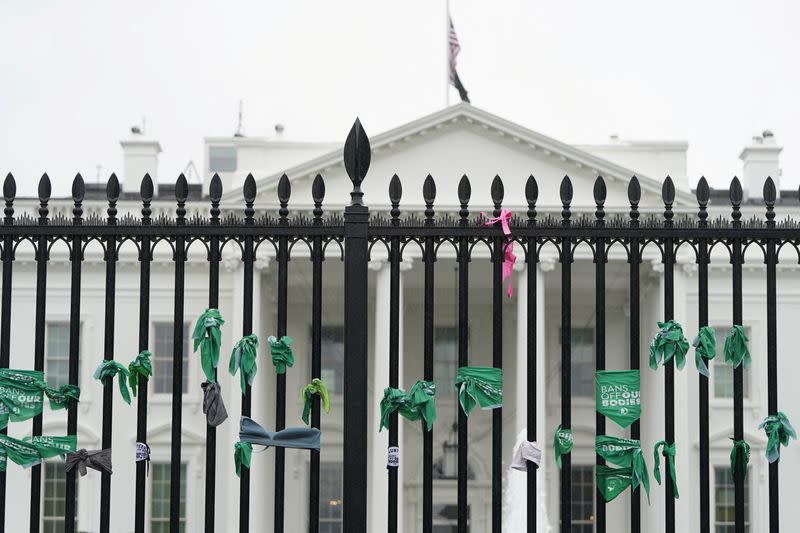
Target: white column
{"x": 379, "y": 441}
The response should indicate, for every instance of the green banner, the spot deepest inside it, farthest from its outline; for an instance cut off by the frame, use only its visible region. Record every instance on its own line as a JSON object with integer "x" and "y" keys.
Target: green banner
{"x": 23, "y": 453}
{"x": 617, "y": 395}
{"x": 21, "y": 394}
{"x": 49, "y": 446}
{"x": 612, "y": 481}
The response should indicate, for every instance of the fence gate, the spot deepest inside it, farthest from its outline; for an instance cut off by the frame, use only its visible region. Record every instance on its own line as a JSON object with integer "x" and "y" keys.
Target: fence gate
{"x": 358, "y": 231}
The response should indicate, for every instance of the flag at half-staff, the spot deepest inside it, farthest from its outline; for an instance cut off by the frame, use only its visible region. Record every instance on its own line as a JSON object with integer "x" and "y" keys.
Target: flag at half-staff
{"x": 455, "y": 48}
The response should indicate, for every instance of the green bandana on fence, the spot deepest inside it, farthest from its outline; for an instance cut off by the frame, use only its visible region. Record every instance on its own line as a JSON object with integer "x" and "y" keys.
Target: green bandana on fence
{"x": 668, "y": 342}
{"x": 617, "y": 395}
{"x": 740, "y": 445}
{"x": 736, "y": 352}
{"x": 21, "y": 395}
{"x": 779, "y": 431}
{"x": 48, "y": 446}
{"x": 611, "y": 482}
{"x": 705, "y": 349}
{"x": 23, "y": 453}
{"x": 63, "y": 396}
{"x": 282, "y": 355}
{"x": 242, "y": 455}
{"x": 317, "y": 386}
{"x": 141, "y": 367}
{"x": 480, "y": 384}
{"x": 562, "y": 443}
{"x": 106, "y": 372}
{"x": 626, "y": 453}
{"x": 243, "y": 359}
{"x": 418, "y": 404}
{"x": 394, "y": 400}
{"x": 208, "y": 337}
{"x": 669, "y": 452}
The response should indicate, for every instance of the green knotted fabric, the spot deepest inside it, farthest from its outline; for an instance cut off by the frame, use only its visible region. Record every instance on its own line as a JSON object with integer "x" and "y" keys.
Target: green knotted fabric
{"x": 669, "y": 342}
{"x": 481, "y": 385}
{"x": 611, "y": 482}
{"x": 140, "y": 368}
{"x": 736, "y": 352}
{"x": 668, "y": 450}
{"x": 422, "y": 405}
{"x": 63, "y": 396}
{"x": 779, "y": 431}
{"x": 705, "y": 348}
{"x": 562, "y": 443}
{"x": 617, "y": 395}
{"x": 23, "y": 453}
{"x": 21, "y": 395}
{"x": 49, "y": 446}
{"x": 243, "y": 360}
{"x": 106, "y": 372}
{"x": 242, "y": 455}
{"x": 626, "y": 453}
{"x": 394, "y": 400}
{"x": 281, "y": 350}
{"x": 744, "y": 448}
{"x": 208, "y": 337}
{"x": 318, "y": 387}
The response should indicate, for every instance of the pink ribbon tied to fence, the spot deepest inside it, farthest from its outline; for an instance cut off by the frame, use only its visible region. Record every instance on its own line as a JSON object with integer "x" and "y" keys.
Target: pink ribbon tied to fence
{"x": 509, "y": 258}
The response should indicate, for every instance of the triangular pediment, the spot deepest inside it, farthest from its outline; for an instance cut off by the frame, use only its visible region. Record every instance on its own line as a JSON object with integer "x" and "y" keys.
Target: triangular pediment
{"x": 459, "y": 140}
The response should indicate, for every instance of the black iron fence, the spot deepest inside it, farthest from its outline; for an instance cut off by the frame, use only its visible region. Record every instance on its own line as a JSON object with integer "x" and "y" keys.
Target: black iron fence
{"x": 358, "y": 231}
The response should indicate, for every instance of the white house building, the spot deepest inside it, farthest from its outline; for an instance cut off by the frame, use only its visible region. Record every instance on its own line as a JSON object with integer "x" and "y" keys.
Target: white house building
{"x": 461, "y": 139}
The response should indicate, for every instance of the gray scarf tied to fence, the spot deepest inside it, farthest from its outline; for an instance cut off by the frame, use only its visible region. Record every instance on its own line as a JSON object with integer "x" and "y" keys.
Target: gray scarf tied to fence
{"x": 213, "y": 407}
{"x": 99, "y": 460}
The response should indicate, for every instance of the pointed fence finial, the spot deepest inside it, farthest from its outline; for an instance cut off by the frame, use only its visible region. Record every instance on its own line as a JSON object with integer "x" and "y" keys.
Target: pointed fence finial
{"x": 215, "y": 195}
{"x": 9, "y": 194}
{"x": 78, "y": 192}
{"x": 566, "y": 199}
{"x": 395, "y": 195}
{"x": 45, "y": 189}
{"x": 284, "y": 192}
{"x": 464, "y": 195}
{"x": 668, "y": 196}
{"x": 770, "y": 193}
{"x": 429, "y": 195}
{"x": 531, "y": 196}
{"x": 600, "y": 199}
{"x": 318, "y": 195}
{"x": 249, "y": 192}
{"x": 112, "y": 195}
{"x": 634, "y": 196}
{"x": 736, "y": 194}
{"x": 181, "y": 194}
{"x": 703, "y": 194}
{"x": 357, "y": 156}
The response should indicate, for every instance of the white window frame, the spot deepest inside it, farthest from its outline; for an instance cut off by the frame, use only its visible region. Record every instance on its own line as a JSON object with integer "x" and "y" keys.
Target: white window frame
{"x": 188, "y": 377}
{"x": 719, "y": 362}
{"x": 47, "y": 356}
{"x": 748, "y": 493}
{"x": 44, "y": 517}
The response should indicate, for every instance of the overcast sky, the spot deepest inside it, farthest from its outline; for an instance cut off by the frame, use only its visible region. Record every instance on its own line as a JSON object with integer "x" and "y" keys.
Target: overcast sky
{"x": 74, "y": 76}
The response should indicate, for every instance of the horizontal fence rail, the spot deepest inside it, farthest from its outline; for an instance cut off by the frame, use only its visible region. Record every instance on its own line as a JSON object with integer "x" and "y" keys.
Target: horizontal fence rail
{"x": 356, "y": 235}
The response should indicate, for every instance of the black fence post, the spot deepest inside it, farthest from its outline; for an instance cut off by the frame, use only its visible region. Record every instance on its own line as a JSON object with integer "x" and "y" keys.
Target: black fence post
{"x": 356, "y": 249}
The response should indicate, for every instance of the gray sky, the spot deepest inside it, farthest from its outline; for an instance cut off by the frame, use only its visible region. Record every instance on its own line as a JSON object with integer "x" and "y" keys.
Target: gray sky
{"x": 74, "y": 76}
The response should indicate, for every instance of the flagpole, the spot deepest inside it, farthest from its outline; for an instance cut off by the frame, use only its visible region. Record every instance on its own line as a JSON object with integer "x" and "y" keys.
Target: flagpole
{"x": 447, "y": 53}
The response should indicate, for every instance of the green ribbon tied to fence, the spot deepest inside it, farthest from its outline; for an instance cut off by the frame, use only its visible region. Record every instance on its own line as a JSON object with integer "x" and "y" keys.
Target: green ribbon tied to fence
{"x": 417, "y": 404}
{"x": 779, "y": 430}
{"x": 242, "y": 456}
{"x": 21, "y": 395}
{"x": 105, "y": 374}
{"x": 243, "y": 360}
{"x": 49, "y": 446}
{"x": 668, "y": 451}
{"x": 625, "y": 453}
{"x": 318, "y": 387}
{"x": 669, "y": 342}
{"x": 208, "y": 337}
{"x": 562, "y": 443}
{"x": 611, "y": 482}
{"x": 481, "y": 385}
{"x": 281, "y": 350}
{"x": 705, "y": 349}
{"x": 736, "y": 352}
{"x": 740, "y": 449}
{"x": 63, "y": 396}
{"x": 23, "y": 453}
{"x": 140, "y": 368}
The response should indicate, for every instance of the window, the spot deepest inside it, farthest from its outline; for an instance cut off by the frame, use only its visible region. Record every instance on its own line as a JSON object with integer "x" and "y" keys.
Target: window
{"x": 445, "y": 518}
{"x": 330, "y": 498}
{"x": 582, "y": 499}
{"x": 583, "y": 365}
{"x": 222, "y": 159}
{"x": 445, "y": 358}
{"x": 333, "y": 358}
{"x": 159, "y": 510}
{"x": 722, "y": 372}
{"x": 162, "y": 357}
{"x": 724, "y": 499}
{"x": 55, "y": 488}
{"x": 57, "y": 356}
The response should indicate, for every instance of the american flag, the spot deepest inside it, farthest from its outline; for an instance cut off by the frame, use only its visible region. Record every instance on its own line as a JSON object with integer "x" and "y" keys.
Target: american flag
{"x": 455, "y": 48}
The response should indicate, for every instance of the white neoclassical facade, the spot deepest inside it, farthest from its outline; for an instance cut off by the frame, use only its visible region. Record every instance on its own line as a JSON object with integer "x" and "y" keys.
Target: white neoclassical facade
{"x": 458, "y": 140}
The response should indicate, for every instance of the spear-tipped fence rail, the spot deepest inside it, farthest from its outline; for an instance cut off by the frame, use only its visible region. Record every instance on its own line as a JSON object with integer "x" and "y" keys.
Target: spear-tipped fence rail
{"x": 357, "y": 232}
